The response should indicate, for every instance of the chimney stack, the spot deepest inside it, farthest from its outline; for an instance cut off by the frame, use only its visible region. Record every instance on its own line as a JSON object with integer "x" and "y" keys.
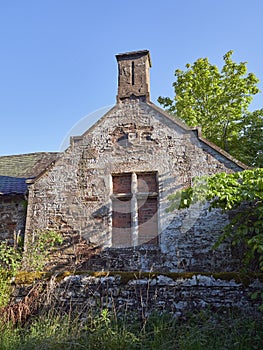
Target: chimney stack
{"x": 134, "y": 75}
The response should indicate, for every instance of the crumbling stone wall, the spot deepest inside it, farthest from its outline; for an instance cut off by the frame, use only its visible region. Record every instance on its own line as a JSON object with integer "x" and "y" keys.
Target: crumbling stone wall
{"x": 143, "y": 295}
{"x": 75, "y": 196}
{"x": 13, "y": 216}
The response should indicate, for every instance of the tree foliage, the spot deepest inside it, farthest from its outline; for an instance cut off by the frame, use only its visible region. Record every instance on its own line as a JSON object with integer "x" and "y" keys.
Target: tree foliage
{"x": 218, "y": 101}
{"x": 241, "y": 192}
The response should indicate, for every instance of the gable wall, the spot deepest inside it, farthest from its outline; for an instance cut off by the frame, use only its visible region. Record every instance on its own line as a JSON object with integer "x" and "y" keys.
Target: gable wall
{"x": 74, "y": 196}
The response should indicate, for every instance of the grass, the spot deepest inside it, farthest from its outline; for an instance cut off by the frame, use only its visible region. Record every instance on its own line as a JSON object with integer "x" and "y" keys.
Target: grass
{"x": 202, "y": 331}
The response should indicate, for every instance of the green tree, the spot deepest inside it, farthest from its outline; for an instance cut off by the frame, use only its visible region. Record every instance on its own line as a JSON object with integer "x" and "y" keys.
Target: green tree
{"x": 218, "y": 101}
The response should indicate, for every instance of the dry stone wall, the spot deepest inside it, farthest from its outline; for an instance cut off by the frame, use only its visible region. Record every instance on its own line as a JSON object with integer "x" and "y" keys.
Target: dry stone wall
{"x": 75, "y": 195}
{"x": 143, "y": 295}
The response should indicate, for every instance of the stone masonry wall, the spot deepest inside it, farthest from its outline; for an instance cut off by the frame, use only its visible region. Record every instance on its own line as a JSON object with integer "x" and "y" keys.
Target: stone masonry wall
{"x": 143, "y": 295}
{"x": 12, "y": 214}
{"x": 75, "y": 196}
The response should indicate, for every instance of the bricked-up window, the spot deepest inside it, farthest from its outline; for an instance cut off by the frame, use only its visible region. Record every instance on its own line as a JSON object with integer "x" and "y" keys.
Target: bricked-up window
{"x": 121, "y": 222}
{"x": 147, "y": 203}
{"x": 134, "y": 209}
{"x": 122, "y": 184}
{"x": 147, "y": 182}
{"x": 122, "y": 210}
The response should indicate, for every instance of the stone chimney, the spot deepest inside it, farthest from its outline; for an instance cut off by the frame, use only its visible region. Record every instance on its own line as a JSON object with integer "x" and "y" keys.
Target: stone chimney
{"x": 134, "y": 75}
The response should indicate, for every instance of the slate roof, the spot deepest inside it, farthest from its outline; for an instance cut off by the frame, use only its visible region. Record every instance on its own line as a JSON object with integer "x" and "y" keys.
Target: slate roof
{"x": 16, "y": 169}
{"x": 26, "y": 165}
{"x": 12, "y": 185}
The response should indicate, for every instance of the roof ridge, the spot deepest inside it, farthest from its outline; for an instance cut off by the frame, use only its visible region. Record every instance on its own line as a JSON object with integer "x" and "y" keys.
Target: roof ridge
{"x": 28, "y": 154}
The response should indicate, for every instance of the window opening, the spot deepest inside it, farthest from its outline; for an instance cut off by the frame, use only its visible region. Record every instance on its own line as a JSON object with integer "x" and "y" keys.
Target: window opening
{"x": 121, "y": 222}
{"x": 121, "y": 210}
{"x": 147, "y": 194}
{"x": 134, "y": 209}
{"x": 122, "y": 184}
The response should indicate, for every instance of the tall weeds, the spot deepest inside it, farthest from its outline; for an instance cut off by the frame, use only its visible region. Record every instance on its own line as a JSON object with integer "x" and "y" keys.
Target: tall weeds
{"x": 204, "y": 331}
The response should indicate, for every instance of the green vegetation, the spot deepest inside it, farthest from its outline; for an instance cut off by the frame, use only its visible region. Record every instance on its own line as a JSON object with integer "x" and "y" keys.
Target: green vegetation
{"x": 34, "y": 259}
{"x": 241, "y": 192}
{"x": 107, "y": 331}
{"x": 28, "y": 326}
{"x": 218, "y": 101}
{"x": 41, "y": 243}
{"x": 10, "y": 262}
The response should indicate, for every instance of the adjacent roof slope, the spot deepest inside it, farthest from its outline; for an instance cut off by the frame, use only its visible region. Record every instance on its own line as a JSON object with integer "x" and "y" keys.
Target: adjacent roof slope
{"x": 26, "y": 165}
{"x": 16, "y": 169}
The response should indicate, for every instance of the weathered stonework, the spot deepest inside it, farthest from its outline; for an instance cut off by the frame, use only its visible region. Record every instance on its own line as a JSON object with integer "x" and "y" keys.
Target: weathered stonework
{"x": 12, "y": 214}
{"x": 143, "y": 295}
{"x": 108, "y": 192}
{"x": 134, "y": 75}
{"x": 14, "y": 171}
{"x": 75, "y": 195}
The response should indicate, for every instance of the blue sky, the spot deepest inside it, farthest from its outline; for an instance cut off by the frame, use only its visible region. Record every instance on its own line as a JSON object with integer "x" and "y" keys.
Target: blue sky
{"x": 57, "y": 57}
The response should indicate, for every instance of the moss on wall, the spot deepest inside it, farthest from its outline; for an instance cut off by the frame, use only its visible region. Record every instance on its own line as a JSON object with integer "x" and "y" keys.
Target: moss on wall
{"x": 245, "y": 279}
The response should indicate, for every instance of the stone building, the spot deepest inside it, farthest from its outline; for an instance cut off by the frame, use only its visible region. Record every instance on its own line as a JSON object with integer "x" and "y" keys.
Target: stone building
{"x": 108, "y": 191}
{"x": 14, "y": 172}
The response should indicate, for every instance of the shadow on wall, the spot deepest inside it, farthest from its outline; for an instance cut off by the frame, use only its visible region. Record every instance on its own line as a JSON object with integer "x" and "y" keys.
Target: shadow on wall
{"x": 183, "y": 241}
{"x": 76, "y": 254}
